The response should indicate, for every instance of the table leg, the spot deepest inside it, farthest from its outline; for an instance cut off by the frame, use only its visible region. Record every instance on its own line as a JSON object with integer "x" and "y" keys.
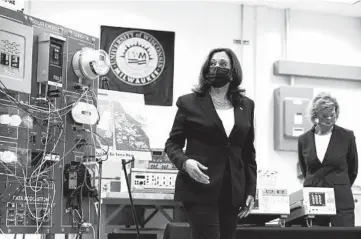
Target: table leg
{"x": 165, "y": 214}
{"x": 113, "y": 214}
{"x": 149, "y": 217}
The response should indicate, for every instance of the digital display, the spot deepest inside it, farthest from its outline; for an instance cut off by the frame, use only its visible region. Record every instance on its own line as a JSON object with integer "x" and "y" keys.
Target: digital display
{"x": 4, "y": 59}
{"x": 52, "y": 157}
{"x": 157, "y": 153}
{"x": 56, "y": 54}
{"x": 317, "y": 199}
{"x": 15, "y": 61}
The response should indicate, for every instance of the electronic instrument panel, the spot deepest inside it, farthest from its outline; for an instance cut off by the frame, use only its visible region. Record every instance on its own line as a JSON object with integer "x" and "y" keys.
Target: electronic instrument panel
{"x": 158, "y": 177}
{"x": 47, "y": 126}
{"x": 311, "y": 202}
{"x": 153, "y": 180}
{"x": 271, "y": 201}
{"x": 160, "y": 160}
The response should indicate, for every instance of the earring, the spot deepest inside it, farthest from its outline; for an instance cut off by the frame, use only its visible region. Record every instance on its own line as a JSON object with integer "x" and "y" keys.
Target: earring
{"x": 317, "y": 120}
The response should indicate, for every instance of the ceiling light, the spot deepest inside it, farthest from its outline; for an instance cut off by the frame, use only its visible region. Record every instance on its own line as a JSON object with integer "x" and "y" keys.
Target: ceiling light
{"x": 349, "y": 2}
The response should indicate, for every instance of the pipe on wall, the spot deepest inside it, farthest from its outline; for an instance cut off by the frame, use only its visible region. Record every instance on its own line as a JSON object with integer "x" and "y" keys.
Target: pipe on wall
{"x": 27, "y": 7}
{"x": 287, "y": 33}
{"x": 287, "y": 16}
{"x": 242, "y": 33}
{"x": 255, "y": 68}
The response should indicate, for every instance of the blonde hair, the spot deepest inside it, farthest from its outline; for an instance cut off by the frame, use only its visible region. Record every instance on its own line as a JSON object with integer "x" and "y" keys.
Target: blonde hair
{"x": 323, "y": 102}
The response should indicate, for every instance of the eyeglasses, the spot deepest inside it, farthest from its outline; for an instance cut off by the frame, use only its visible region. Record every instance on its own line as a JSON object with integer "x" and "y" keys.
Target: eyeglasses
{"x": 221, "y": 63}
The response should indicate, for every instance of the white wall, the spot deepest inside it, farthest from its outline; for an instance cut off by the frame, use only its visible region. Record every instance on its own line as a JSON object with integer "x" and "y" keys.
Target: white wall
{"x": 202, "y": 26}
{"x": 313, "y": 38}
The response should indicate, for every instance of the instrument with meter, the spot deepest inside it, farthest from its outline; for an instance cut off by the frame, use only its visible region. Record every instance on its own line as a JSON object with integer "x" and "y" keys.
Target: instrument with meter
{"x": 310, "y": 202}
{"x": 84, "y": 113}
{"x": 89, "y": 63}
{"x": 160, "y": 160}
{"x": 153, "y": 180}
{"x": 273, "y": 201}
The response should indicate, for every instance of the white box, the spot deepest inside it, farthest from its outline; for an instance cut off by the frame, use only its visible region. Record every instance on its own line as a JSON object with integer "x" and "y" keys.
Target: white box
{"x": 312, "y": 201}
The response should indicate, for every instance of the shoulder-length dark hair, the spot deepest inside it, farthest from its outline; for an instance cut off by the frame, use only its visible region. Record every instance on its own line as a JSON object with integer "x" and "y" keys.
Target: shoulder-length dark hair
{"x": 235, "y": 93}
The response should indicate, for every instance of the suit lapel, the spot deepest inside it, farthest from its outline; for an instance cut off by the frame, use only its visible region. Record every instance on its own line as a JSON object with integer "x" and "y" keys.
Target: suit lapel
{"x": 238, "y": 119}
{"x": 312, "y": 145}
{"x": 333, "y": 142}
{"x": 208, "y": 108}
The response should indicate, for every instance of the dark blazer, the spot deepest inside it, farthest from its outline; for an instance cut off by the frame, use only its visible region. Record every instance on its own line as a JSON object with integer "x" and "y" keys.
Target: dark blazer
{"x": 338, "y": 169}
{"x": 197, "y": 122}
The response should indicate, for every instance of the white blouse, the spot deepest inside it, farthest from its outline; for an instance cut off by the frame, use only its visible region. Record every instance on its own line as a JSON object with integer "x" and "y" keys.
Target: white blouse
{"x": 227, "y": 117}
{"x": 322, "y": 142}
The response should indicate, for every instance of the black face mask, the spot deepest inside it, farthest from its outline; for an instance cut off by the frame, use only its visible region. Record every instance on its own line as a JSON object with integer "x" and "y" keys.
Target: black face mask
{"x": 218, "y": 76}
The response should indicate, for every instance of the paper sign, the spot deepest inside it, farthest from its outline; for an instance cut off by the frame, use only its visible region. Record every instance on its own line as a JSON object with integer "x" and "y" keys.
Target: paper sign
{"x": 297, "y": 101}
{"x": 297, "y": 132}
{"x": 298, "y": 119}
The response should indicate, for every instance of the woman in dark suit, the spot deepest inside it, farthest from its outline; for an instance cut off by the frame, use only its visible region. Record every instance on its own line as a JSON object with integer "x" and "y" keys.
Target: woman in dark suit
{"x": 217, "y": 171}
{"x": 328, "y": 158}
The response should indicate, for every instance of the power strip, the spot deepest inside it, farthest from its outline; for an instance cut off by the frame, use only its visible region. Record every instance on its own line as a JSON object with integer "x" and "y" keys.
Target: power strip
{"x": 152, "y": 179}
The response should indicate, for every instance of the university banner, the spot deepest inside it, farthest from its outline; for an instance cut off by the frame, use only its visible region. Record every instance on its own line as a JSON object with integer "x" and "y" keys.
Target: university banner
{"x": 142, "y": 61}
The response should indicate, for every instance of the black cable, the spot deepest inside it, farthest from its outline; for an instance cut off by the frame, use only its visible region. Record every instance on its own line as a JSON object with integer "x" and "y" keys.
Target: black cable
{"x": 124, "y": 164}
{"x": 100, "y": 162}
{"x": 14, "y": 98}
{"x": 17, "y": 103}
